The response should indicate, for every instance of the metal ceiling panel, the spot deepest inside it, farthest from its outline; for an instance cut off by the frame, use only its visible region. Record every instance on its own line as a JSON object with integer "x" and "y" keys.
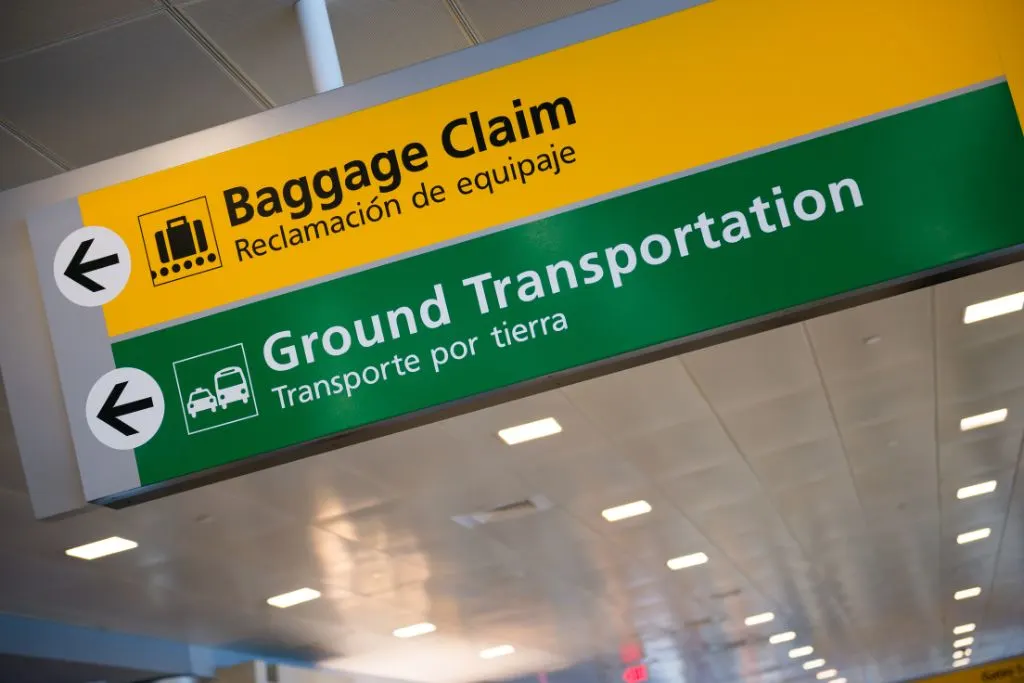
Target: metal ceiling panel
{"x": 263, "y": 38}
{"x": 30, "y": 24}
{"x": 494, "y": 19}
{"x": 118, "y": 90}
{"x": 21, "y": 163}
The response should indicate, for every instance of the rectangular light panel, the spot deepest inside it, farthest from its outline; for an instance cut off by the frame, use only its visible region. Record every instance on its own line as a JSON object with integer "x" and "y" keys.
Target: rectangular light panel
{"x": 801, "y": 652}
{"x": 784, "y": 637}
{"x": 961, "y": 662}
{"x": 826, "y": 674}
{"x": 963, "y": 642}
{"x": 292, "y": 598}
{"x": 971, "y": 536}
{"x": 634, "y": 509}
{"x": 762, "y": 618}
{"x": 684, "y": 561}
{"x": 498, "y": 651}
{"x": 994, "y": 307}
{"x": 967, "y": 593}
{"x": 976, "y": 489}
{"x": 414, "y": 630}
{"x": 983, "y": 420}
{"x": 537, "y": 429}
{"x": 963, "y": 628}
{"x": 98, "y": 549}
{"x": 814, "y": 664}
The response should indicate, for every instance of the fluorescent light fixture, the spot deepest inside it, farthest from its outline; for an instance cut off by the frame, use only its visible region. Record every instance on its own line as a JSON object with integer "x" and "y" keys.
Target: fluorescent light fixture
{"x": 537, "y": 429}
{"x": 813, "y": 664}
{"x": 975, "y": 535}
{"x": 961, "y": 662}
{"x": 838, "y": 680}
{"x": 963, "y": 642}
{"x": 414, "y": 630}
{"x": 967, "y": 652}
{"x": 797, "y": 652}
{"x": 634, "y": 509}
{"x": 293, "y": 598}
{"x": 684, "y": 561}
{"x": 108, "y": 546}
{"x": 983, "y": 420}
{"x": 959, "y": 654}
{"x": 498, "y": 651}
{"x": 762, "y": 618}
{"x": 826, "y": 674}
{"x": 976, "y": 489}
{"x": 992, "y": 308}
{"x": 967, "y": 593}
{"x": 963, "y": 628}
{"x": 783, "y": 637}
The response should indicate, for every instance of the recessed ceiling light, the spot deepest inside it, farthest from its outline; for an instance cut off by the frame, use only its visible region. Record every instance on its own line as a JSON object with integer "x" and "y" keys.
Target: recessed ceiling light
{"x": 976, "y": 489}
{"x": 784, "y": 637}
{"x": 108, "y": 546}
{"x": 801, "y": 652}
{"x": 961, "y": 662}
{"x": 967, "y": 652}
{"x": 826, "y": 674}
{"x": 967, "y": 593}
{"x": 975, "y": 535}
{"x": 992, "y": 308}
{"x": 963, "y": 642}
{"x": 293, "y": 598}
{"x": 634, "y": 509}
{"x": 963, "y": 628}
{"x": 959, "y": 654}
{"x": 537, "y": 429}
{"x": 814, "y": 664}
{"x": 684, "y": 561}
{"x": 414, "y": 630}
{"x": 983, "y": 420}
{"x": 838, "y": 680}
{"x": 498, "y": 651}
{"x": 762, "y": 618}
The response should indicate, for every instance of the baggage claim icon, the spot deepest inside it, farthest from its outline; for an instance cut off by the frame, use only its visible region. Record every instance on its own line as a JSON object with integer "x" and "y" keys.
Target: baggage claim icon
{"x": 180, "y": 241}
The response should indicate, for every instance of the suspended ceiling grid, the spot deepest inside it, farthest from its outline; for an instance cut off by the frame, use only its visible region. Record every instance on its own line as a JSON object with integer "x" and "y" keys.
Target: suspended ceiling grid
{"x": 816, "y": 465}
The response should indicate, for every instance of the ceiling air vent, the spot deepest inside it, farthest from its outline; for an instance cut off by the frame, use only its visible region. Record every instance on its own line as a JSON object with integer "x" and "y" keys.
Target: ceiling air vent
{"x": 503, "y": 513}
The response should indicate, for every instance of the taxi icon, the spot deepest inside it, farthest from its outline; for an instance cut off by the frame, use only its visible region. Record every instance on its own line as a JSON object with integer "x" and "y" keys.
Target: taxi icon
{"x": 199, "y": 400}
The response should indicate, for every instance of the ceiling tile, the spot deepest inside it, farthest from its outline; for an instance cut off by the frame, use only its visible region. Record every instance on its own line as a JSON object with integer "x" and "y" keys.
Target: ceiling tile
{"x": 22, "y": 164}
{"x": 29, "y": 24}
{"x": 264, "y": 39}
{"x": 104, "y": 78}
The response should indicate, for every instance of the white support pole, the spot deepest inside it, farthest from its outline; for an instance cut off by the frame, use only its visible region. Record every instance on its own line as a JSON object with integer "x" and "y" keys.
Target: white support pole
{"x": 319, "y": 40}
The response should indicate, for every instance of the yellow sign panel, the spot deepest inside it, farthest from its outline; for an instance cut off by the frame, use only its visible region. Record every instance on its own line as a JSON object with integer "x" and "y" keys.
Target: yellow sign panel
{"x": 1005, "y": 671}
{"x": 639, "y": 104}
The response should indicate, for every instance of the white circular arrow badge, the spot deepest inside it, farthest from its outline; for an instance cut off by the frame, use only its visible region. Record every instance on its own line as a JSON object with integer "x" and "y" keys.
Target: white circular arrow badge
{"x": 124, "y": 408}
{"x": 92, "y": 266}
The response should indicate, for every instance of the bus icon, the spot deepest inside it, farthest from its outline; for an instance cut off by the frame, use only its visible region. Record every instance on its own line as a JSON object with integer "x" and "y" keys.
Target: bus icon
{"x": 179, "y": 241}
{"x": 231, "y": 386}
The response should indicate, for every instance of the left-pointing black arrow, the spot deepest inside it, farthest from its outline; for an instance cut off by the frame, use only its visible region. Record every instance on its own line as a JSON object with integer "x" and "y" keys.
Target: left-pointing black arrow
{"x": 111, "y": 413}
{"x": 78, "y": 269}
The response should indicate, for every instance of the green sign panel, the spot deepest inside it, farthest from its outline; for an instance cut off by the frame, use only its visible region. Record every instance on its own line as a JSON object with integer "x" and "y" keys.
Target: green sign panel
{"x": 886, "y": 199}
